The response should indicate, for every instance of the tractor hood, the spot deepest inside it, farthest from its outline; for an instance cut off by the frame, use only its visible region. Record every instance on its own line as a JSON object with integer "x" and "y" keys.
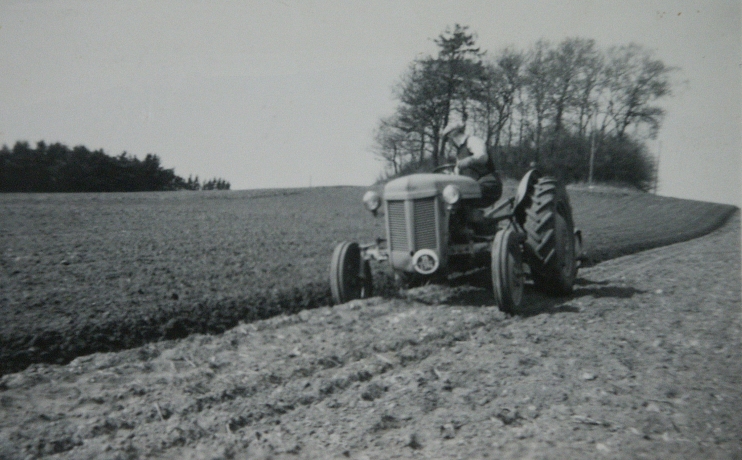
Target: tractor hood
{"x": 427, "y": 185}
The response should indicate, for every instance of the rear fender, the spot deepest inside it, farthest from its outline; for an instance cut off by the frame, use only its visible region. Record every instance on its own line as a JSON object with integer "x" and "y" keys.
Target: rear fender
{"x": 524, "y": 188}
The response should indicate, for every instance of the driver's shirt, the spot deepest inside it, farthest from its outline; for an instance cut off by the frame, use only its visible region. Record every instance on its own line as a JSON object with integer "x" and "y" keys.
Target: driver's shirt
{"x": 473, "y": 147}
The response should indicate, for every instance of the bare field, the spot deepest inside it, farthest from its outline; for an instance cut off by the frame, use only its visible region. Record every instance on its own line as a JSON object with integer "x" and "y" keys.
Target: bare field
{"x": 82, "y": 273}
{"x": 643, "y": 361}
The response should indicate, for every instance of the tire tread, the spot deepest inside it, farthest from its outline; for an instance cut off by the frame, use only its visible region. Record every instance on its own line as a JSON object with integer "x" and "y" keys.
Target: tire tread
{"x": 548, "y": 199}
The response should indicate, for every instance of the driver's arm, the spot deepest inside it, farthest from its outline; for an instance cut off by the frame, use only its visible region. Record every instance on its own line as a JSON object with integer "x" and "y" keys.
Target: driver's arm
{"x": 475, "y": 146}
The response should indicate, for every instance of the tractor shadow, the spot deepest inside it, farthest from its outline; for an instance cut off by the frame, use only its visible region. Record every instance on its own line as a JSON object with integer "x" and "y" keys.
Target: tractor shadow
{"x": 476, "y": 290}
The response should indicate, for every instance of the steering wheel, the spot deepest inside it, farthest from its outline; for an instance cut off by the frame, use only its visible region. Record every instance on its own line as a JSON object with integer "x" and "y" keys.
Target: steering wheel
{"x": 445, "y": 169}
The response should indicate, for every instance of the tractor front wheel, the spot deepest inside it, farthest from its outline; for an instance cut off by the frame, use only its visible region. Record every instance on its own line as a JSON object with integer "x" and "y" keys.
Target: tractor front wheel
{"x": 507, "y": 270}
{"x": 350, "y": 274}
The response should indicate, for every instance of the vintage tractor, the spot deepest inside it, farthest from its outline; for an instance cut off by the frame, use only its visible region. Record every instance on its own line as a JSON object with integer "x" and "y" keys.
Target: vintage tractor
{"x": 434, "y": 227}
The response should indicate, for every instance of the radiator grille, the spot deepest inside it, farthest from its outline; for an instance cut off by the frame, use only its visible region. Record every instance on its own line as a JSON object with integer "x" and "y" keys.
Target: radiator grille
{"x": 397, "y": 227}
{"x": 425, "y": 229}
{"x": 423, "y": 220}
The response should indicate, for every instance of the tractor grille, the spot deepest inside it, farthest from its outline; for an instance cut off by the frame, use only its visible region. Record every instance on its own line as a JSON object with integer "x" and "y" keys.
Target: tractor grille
{"x": 422, "y": 220}
{"x": 397, "y": 226}
{"x": 425, "y": 224}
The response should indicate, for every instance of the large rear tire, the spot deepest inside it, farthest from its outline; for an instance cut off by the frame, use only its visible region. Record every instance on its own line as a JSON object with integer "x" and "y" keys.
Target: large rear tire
{"x": 550, "y": 239}
{"x": 350, "y": 275}
{"x": 507, "y": 270}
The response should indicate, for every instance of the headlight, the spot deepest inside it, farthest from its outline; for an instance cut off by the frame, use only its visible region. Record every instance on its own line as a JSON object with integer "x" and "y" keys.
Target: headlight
{"x": 372, "y": 201}
{"x": 451, "y": 194}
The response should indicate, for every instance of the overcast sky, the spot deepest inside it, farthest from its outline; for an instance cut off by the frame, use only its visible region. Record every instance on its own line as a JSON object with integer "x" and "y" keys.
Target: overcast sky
{"x": 284, "y": 93}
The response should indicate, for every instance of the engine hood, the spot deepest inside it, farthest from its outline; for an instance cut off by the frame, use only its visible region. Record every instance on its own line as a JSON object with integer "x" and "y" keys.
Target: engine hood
{"x": 426, "y": 185}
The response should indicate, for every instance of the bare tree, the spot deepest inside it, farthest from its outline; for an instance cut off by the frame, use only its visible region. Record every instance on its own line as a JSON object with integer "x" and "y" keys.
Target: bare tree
{"x": 390, "y": 144}
{"x": 540, "y": 88}
{"x": 495, "y": 94}
{"x": 459, "y": 63}
{"x": 587, "y": 85}
{"x": 592, "y": 107}
{"x": 435, "y": 87}
{"x": 574, "y": 68}
{"x": 424, "y": 106}
{"x": 634, "y": 80}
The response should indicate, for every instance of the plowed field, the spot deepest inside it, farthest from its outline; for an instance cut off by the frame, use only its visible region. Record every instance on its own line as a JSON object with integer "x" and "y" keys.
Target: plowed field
{"x": 643, "y": 361}
{"x": 81, "y": 273}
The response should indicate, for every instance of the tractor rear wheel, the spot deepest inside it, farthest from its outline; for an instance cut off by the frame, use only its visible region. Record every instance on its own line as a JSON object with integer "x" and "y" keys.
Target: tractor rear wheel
{"x": 350, "y": 275}
{"x": 550, "y": 242}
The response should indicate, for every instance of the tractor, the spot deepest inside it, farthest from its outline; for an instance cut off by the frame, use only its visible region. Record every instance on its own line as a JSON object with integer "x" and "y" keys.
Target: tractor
{"x": 435, "y": 227}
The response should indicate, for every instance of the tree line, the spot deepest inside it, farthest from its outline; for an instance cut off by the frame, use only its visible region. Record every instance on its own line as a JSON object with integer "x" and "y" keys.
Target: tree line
{"x": 57, "y": 168}
{"x": 573, "y": 109}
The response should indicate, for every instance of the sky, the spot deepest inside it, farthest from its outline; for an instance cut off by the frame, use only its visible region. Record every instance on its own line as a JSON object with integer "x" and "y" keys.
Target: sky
{"x": 287, "y": 93}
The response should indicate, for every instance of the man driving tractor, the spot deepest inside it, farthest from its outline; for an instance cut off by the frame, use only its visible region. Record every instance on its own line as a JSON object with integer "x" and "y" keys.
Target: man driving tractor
{"x": 473, "y": 161}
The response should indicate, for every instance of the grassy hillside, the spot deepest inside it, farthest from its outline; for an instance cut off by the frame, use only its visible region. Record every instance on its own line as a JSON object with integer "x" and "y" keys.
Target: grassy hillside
{"x": 101, "y": 272}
